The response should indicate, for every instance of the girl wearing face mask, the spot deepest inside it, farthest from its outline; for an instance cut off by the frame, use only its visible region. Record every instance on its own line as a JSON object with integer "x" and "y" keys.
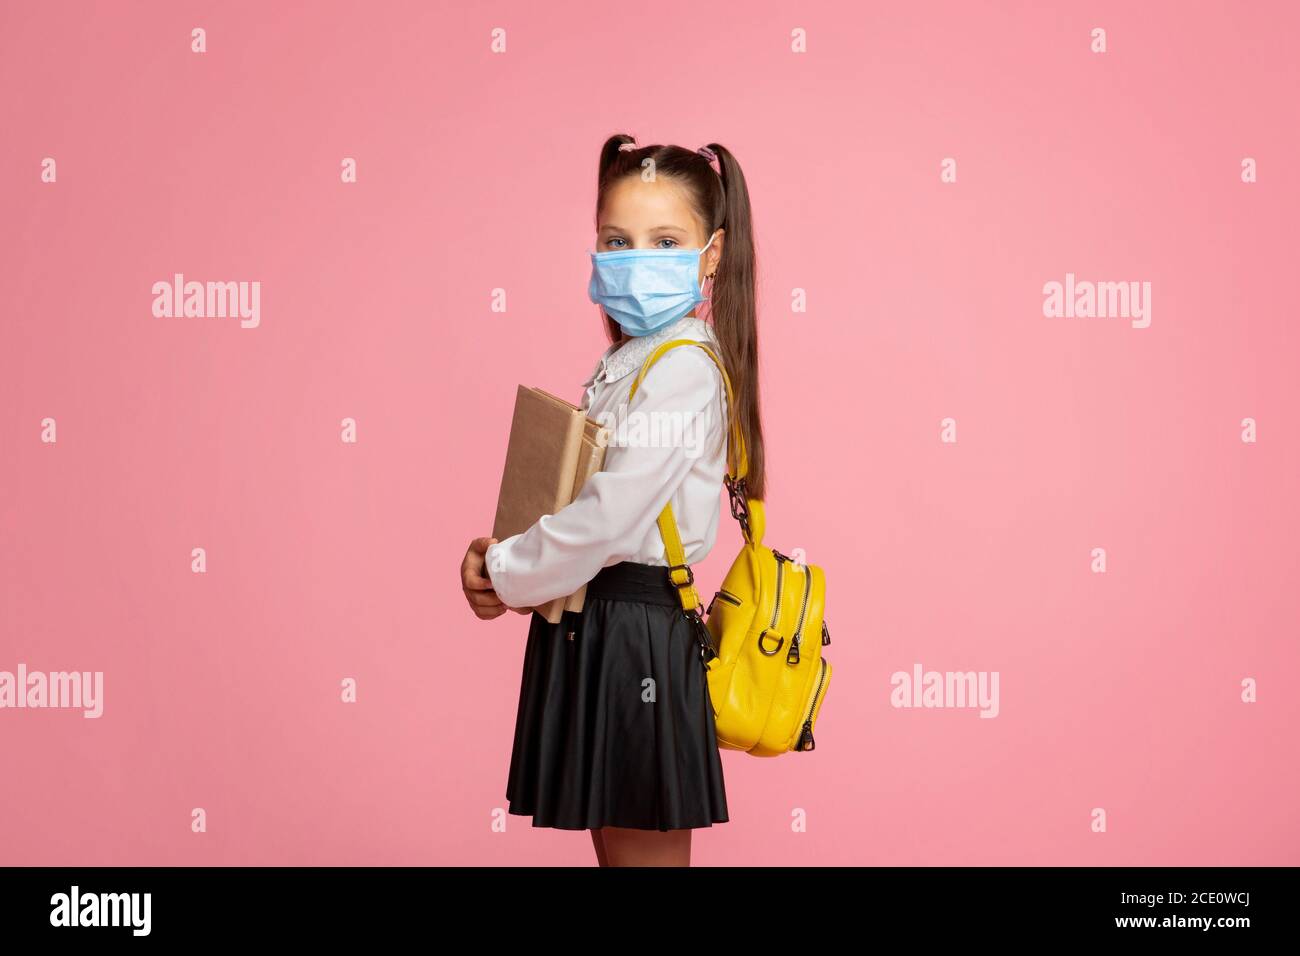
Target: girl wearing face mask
{"x": 614, "y": 731}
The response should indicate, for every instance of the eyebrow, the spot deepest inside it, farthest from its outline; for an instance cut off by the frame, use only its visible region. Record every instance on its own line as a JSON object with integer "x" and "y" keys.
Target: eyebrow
{"x": 668, "y": 228}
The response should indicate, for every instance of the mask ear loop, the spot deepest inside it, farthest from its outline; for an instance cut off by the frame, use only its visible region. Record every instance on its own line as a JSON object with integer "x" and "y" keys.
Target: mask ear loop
{"x": 705, "y": 309}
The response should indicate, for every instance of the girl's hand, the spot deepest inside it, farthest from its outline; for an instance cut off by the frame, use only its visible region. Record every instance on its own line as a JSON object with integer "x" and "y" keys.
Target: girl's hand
{"x": 483, "y": 600}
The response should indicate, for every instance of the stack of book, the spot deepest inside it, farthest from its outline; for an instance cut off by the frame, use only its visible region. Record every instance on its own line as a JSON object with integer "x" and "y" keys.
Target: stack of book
{"x": 554, "y": 448}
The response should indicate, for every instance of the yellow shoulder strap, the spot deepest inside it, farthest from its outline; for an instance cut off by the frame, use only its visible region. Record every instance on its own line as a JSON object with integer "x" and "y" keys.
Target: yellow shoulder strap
{"x": 682, "y": 577}
{"x": 737, "y": 460}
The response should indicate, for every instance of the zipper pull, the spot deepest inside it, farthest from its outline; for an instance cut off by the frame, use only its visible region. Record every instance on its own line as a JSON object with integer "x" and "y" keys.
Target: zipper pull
{"x": 806, "y": 741}
{"x": 826, "y": 634}
{"x": 779, "y": 556}
{"x": 792, "y": 655}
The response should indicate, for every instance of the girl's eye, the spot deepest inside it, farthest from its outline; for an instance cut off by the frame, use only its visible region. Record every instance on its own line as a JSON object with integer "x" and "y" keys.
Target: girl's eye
{"x": 671, "y": 243}
{"x": 614, "y": 243}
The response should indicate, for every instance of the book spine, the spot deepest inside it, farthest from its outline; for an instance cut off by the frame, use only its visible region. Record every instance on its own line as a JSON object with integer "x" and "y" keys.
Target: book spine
{"x": 593, "y": 458}
{"x": 571, "y": 463}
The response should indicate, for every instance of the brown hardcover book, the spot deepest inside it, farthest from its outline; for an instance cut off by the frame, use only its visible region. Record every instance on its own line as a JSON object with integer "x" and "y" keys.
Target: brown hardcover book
{"x": 551, "y": 450}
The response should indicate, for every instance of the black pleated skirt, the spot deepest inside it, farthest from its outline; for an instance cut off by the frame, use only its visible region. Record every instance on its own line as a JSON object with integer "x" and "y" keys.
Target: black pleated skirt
{"x": 614, "y": 726}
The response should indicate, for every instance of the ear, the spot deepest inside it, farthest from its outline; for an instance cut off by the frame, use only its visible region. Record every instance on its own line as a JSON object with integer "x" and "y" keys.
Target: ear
{"x": 714, "y": 255}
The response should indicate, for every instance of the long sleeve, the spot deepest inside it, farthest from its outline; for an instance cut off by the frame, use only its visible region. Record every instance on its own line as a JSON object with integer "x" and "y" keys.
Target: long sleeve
{"x": 675, "y": 419}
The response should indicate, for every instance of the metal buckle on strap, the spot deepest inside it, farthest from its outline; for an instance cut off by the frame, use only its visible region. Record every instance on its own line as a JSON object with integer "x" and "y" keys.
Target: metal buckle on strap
{"x": 690, "y": 575}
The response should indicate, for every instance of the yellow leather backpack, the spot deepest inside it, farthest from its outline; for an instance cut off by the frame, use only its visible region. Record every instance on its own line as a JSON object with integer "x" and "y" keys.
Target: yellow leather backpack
{"x": 762, "y": 642}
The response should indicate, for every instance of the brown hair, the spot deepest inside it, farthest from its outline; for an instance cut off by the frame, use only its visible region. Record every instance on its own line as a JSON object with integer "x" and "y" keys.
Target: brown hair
{"x": 720, "y": 201}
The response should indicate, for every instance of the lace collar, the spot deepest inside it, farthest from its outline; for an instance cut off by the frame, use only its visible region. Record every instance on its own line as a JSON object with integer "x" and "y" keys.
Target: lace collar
{"x": 623, "y": 358}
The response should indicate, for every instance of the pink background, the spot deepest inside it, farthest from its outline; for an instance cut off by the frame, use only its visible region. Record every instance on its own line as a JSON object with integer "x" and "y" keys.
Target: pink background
{"x": 477, "y": 171}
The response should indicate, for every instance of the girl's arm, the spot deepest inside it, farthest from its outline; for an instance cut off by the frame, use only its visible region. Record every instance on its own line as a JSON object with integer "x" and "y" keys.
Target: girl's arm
{"x": 618, "y": 507}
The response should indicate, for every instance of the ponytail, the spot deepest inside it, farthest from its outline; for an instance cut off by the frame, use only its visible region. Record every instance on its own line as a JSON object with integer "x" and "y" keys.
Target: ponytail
{"x": 734, "y": 311}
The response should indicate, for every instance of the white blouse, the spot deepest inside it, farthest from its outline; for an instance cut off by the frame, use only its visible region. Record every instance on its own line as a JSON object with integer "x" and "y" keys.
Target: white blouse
{"x": 669, "y": 443}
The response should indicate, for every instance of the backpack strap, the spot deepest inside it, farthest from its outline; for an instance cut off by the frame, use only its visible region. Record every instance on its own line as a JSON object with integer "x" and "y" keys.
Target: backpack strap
{"x": 679, "y": 573}
{"x": 737, "y": 460}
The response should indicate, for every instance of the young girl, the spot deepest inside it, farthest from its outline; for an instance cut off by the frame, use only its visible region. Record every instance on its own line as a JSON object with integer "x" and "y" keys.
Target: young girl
{"x": 615, "y": 730}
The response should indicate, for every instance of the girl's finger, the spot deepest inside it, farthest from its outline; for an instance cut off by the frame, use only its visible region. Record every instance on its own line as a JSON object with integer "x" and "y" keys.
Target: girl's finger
{"x": 475, "y": 582}
{"x": 484, "y": 599}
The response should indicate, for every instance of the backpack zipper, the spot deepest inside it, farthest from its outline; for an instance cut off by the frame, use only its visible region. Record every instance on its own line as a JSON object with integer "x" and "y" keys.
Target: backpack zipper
{"x": 780, "y": 575}
{"x": 805, "y": 741}
{"x": 776, "y": 605}
{"x": 792, "y": 655}
{"x": 728, "y": 597}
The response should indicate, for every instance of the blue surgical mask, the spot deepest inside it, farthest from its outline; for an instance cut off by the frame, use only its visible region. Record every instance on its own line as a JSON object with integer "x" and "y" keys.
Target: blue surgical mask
{"x": 645, "y": 290}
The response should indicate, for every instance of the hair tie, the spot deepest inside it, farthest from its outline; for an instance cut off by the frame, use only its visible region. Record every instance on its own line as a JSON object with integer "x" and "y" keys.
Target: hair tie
{"x": 627, "y": 147}
{"x": 712, "y": 158}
